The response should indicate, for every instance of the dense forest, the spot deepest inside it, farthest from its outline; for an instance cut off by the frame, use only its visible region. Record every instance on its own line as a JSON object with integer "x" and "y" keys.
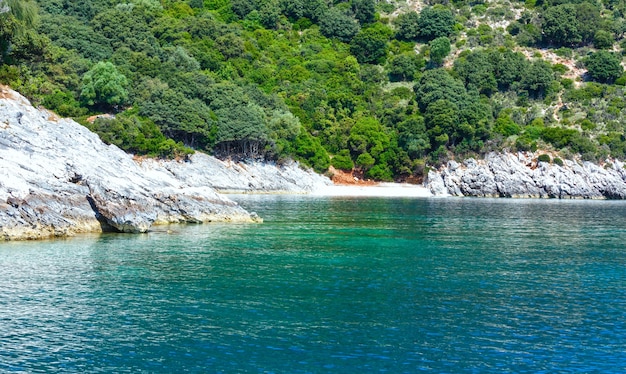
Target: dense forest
{"x": 385, "y": 87}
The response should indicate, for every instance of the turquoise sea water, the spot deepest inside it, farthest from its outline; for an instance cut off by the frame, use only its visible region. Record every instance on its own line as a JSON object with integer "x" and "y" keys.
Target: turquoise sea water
{"x": 333, "y": 285}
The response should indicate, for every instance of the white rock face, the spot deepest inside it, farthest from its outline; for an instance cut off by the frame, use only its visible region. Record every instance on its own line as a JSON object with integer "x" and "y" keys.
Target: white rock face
{"x": 57, "y": 179}
{"x": 520, "y": 175}
{"x": 251, "y": 177}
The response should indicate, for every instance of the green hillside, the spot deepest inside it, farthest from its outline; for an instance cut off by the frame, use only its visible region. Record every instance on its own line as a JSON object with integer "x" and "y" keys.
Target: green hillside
{"x": 385, "y": 87}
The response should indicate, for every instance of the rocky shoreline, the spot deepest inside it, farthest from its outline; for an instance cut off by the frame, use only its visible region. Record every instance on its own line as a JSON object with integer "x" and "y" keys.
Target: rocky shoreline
{"x": 521, "y": 175}
{"x": 59, "y": 179}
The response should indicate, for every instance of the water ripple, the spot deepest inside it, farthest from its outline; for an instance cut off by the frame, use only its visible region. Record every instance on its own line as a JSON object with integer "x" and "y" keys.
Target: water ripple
{"x": 329, "y": 285}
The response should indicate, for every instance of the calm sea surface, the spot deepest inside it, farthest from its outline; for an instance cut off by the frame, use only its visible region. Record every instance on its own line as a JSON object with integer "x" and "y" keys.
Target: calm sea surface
{"x": 332, "y": 285}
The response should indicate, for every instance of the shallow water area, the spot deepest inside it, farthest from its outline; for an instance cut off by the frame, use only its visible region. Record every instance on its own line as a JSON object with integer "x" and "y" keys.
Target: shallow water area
{"x": 329, "y": 284}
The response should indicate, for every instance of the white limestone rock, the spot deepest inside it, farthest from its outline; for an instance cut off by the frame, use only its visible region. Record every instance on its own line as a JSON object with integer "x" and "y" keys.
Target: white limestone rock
{"x": 520, "y": 175}
{"x": 57, "y": 179}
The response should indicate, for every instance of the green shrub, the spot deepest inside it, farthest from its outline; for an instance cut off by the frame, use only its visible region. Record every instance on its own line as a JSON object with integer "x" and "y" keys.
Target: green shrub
{"x": 139, "y": 136}
{"x": 380, "y": 172}
{"x": 479, "y": 9}
{"x": 603, "y": 39}
{"x": 387, "y": 7}
{"x": 604, "y": 67}
{"x": 544, "y": 158}
{"x": 567, "y": 83}
{"x": 564, "y": 52}
{"x": 558, "y": 161}
{"x": 558, "y": 136}
{"x": 342, "y": 161}
{"x": 560, "y": 68}
{"x": 506, "y": 126}
{"x": 64, "y": 104}
{"x": 524, "y": 144}
{"x": 310, "y": 152}
{"x": 587, "y": 125}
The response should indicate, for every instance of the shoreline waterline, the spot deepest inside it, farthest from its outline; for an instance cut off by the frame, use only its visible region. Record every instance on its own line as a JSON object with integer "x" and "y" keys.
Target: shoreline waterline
{"x": 377, "y": 190}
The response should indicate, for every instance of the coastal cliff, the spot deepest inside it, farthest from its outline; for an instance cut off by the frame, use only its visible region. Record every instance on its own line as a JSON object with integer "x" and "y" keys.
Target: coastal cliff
{"x": 59, "y": 179}
{"x": 522, "y": 175}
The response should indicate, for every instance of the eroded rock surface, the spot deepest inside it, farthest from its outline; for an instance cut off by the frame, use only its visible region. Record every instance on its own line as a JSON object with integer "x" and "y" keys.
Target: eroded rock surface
{"x": 250, "y": 177}
{"x": 521, "y": 175}
{"x": 58, "y": 179}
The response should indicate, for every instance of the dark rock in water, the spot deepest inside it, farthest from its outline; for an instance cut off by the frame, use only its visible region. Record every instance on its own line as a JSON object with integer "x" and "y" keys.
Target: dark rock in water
{"x": 520, "y": 175}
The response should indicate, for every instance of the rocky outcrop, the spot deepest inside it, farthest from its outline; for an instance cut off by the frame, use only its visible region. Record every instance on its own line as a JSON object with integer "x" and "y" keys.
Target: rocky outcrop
{"x": 245, "y": 177}
{"x": 58, "y": 179}
{"x": 521, "y": 175}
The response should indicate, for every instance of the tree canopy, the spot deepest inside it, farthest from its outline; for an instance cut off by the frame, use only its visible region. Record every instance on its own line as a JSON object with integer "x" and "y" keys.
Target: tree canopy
{"x": 382, "y": 87}
{"x": 604, "y": 66}
{"x": 103, "y": 84}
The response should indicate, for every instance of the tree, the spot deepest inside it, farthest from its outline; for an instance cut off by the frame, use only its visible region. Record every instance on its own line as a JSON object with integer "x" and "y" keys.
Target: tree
{"x": 139, "y": 136}
{"x": 196, "y": 4}
{"x": 412, "y": 136}
{"x": 16, "y": 17}
{"x": 342, "y": 160}
{"x": 451, "y": 114}
{"x": 407, "y": 26}
{"x": 311, "y": 9}
{"x": 370, "y": 45}
{"x": 536, "y": 78}
{"x": 442, "y": 118}
{"x": 368, "y": 136}
{"x": 364, "y": 11}
{"x": 404, "y": 67}
{"x": 337, "y": 24}
{"x": 309, "y": 150}
{"x": 243, "y": 7}
{"x": 604, "y": 66}
{"x": 23, "y": 12}
{"x": 508, "y": 67}
{"x": 104, "y": 85}
{"x": 435, "y": 22}
{"x": 241, "y": 130}
{"x": 438, "y": 84}
{"x": 603, "y": 40}
{"x": 439, "y": 49}
{"x": 178, "y": 117}
{"x": 269, "y": 13}
{"x": 283, "y": 128}
{"x": 314, "y": 9}
{"x": 70, "y": 33}
{"x": 365, "y": 161}
{"x": 180, "y": 60}
{"x": 477, "y": 70}
{"x": 127, "y": 28}
{"x": 589, "y": 20}
{"x": 83, "y": 10}
{"x": 560, "y": 25}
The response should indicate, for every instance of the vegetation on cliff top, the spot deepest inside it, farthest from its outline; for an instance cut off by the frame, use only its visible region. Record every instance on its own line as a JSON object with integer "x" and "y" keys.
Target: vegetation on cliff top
{"x": 385, "y": 87}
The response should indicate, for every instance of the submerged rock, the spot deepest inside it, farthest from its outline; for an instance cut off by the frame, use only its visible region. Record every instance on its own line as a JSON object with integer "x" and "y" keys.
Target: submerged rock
{"x": 58, "y": 179}
{"x": 521, "y": 175}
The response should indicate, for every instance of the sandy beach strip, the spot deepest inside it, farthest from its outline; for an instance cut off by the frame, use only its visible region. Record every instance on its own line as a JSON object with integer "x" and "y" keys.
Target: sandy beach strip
{"x": 378, "y": 190}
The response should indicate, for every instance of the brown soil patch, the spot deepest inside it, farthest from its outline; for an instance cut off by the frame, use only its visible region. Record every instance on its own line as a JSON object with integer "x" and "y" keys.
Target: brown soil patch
{"x": 351, "y": 178}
